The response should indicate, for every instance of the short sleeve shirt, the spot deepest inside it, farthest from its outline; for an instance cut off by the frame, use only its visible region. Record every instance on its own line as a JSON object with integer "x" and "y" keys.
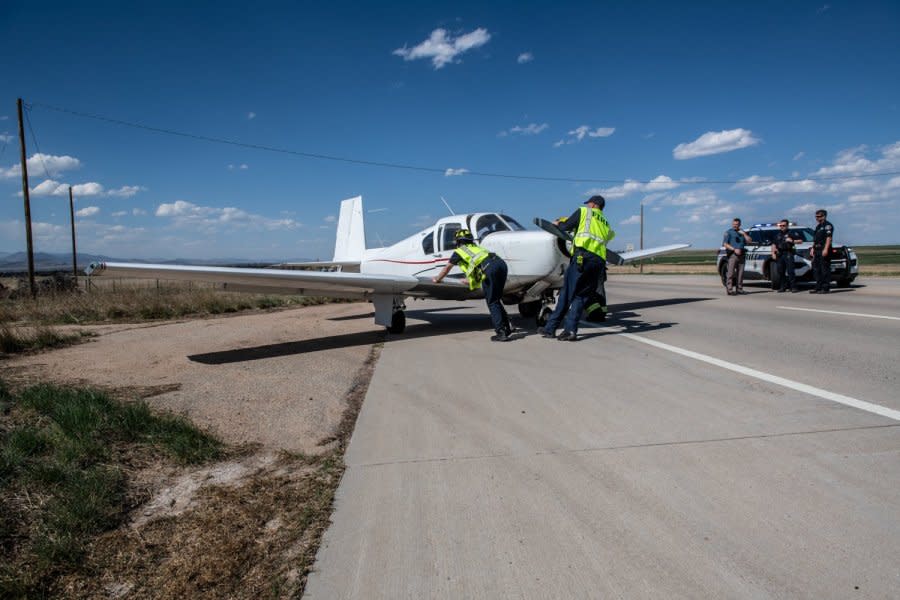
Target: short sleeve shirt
{"x": 735, "y": 239}
{"x": 784, "y": 242}
{"x": 824, "y": 230}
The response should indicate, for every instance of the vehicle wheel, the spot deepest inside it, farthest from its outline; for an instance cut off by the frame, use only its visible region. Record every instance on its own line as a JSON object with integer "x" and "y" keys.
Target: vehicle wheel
{"x": 543, "y": 316}
{"x": 398, "y": 322}
{"x": 529, "y": 309}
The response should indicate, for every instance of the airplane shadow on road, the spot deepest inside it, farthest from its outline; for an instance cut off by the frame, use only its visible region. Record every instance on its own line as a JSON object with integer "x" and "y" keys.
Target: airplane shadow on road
{"x": 439, "y": 322}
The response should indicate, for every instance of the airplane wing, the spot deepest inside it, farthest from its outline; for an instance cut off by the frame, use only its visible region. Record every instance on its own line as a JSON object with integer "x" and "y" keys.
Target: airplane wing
{"x": 274, "y": 281}
{"x": 612, "y": 257}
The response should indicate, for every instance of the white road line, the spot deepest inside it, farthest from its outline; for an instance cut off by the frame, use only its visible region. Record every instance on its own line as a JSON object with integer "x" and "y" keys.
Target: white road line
{"x": 794, "y": 385}
{"x": 835, "y": 312}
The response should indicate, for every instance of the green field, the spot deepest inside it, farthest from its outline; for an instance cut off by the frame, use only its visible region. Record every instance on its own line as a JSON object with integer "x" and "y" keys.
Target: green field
{"x": 868, "y": 255}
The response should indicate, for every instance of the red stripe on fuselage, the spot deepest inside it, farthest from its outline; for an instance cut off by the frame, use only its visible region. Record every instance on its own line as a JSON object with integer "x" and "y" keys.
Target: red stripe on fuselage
{"x": 410, "y": 262}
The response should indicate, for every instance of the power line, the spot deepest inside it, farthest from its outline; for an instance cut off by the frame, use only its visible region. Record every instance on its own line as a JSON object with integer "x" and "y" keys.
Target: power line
{"x": 34, "y": 139}
{"x": 373, "y": 163}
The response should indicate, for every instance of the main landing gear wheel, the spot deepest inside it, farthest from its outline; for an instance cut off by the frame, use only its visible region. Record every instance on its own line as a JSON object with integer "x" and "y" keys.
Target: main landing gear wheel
{"x": 544, "y": 316}
{"x": 398, "y": 322}
{"x": 529, "y": 309}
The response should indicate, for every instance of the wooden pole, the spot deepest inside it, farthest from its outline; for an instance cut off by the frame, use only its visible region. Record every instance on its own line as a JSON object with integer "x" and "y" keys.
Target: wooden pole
{"x": 72, "y": 217}
{"x": 642, "y": 235}
{"x": 28, "y": 243}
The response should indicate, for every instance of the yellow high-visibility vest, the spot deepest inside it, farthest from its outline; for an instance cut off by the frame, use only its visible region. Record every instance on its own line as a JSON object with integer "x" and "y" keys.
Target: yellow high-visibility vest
{"x": 470, "y": 257}
{"x": 593, "y": 231}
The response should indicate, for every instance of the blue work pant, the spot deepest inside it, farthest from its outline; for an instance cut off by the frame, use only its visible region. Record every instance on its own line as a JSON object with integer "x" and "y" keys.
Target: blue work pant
{"x": 565, "y": 297}
{"x": 493, "y": 283}
{"x": 592, "y": 270}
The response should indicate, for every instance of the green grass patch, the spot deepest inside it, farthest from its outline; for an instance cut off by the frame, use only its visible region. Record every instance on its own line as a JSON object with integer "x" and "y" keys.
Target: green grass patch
{"x": 62, "y": 481}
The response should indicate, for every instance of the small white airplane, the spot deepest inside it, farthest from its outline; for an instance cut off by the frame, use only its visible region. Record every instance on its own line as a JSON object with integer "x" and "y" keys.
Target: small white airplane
{"x": 389, "y": 276}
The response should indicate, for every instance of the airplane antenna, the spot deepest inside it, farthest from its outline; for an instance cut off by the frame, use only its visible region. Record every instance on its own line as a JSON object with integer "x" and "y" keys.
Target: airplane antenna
{"x": 447, "y": 205}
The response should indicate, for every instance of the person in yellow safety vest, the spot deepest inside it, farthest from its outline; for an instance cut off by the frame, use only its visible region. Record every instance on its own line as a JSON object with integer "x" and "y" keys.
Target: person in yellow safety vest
{"x": 487, "y": 270}
{"x": 586, "y": 269}
{"x": 596, "y": 309}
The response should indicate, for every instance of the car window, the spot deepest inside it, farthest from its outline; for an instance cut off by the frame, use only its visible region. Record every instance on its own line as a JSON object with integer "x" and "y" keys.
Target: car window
{"x": 488, "y": 224}
{"x": 763, "y": 237}
{"x": 803, "y": 233}
{"x": 448, "y": 236}
{"x": 428, "y": 243}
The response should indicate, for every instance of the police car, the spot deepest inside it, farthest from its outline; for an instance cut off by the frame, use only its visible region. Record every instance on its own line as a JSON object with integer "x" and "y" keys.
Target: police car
{"x": 760, "y": 265}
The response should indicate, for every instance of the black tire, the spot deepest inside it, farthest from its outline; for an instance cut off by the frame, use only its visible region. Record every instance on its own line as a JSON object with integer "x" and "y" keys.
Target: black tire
{"x": 530, "y": 309}
{"x": 543, "y": 316}
{"x": 398, "y": 322}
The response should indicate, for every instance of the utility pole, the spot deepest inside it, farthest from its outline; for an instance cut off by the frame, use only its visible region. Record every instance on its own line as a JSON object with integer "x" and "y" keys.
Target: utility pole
{"x": 29, "y": 246}
{"x": 72, "y": 217}
{"x": 642, "y": 235}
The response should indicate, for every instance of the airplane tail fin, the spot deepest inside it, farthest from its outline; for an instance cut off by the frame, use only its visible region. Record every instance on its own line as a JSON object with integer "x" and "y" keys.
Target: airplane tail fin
{"x": 350, "y": 244}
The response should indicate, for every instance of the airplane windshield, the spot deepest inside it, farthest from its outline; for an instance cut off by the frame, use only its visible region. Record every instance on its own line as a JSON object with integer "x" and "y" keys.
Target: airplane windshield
{"x": 488, "y": 224}
{"x": 513, "y": 224}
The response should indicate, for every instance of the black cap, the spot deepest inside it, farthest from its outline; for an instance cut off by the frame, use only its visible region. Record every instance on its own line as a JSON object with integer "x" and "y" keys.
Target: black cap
{"x": 598, "y": 200}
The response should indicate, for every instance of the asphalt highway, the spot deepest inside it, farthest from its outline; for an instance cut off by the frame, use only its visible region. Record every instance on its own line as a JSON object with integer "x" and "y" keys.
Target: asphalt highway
{"x": 694, "y": 446}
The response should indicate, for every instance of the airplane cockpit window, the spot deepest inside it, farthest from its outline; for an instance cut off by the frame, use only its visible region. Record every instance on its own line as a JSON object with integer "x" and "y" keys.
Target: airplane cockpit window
{"x": 488, "y": 224}
{"x": 514, "y": 225}
{"x": 448, "y": 236}
{"x": 428, "y": 243}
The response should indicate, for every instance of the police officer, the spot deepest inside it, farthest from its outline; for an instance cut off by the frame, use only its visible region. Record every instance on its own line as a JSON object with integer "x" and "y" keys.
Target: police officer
{"x": 783, "y": 256}
{"x": 586, "y": 269}
{"x": 820, "y": 251}
{"x": 485, "y": 269}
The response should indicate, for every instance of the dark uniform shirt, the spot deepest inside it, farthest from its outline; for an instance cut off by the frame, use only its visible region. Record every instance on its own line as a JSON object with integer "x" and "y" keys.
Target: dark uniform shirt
{"x": 824, "y": 230}
{"x": 784, "y": 242}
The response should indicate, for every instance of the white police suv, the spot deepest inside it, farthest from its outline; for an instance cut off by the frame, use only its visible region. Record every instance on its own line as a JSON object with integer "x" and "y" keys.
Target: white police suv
{"x": 760, "y": 266}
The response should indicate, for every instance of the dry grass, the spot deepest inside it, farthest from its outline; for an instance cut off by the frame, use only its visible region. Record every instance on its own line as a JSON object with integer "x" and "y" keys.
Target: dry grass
{"x": 119, "y": 301}
{"x": 254, "y": 537}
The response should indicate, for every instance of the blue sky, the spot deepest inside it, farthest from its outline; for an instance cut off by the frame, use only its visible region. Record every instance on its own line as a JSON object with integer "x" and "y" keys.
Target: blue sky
{"x": 654, "y": 101}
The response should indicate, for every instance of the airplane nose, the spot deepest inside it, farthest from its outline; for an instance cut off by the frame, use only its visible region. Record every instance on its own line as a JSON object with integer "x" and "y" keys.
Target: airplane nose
{"x": 527, "y": 253}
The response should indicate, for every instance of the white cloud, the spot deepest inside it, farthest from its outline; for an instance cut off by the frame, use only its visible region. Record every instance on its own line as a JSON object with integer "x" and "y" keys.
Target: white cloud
{"x": 6, "y": 138}
{"x": 442, "y": 48}
{"x": 119, "y": 213}
{"x": 240, "y": 167}
{"x": 525, "y": 57}
{"x": 251, "y": 115}
{"x": 87, "y": 211}
{"x": 331, "y": 218}
{"x": 530, "y": 129}
{"x": 799, "y": 155}
{"x": 49, "y": 187}
{"x": 126, "y": 191}
{"x": 579, "y": 133}
{"x": 715, "y": 142}
{"x": 138, "y": 212}
{"x": 36, "y": 164}
{"x": 670, "y": 229}
{"x": 455, "y": 172}
{"x": 758, "y": 186}
{"x": 659, "y": 183}
{"x": 210, "y": 219}
{"x": 632, "y": 220}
